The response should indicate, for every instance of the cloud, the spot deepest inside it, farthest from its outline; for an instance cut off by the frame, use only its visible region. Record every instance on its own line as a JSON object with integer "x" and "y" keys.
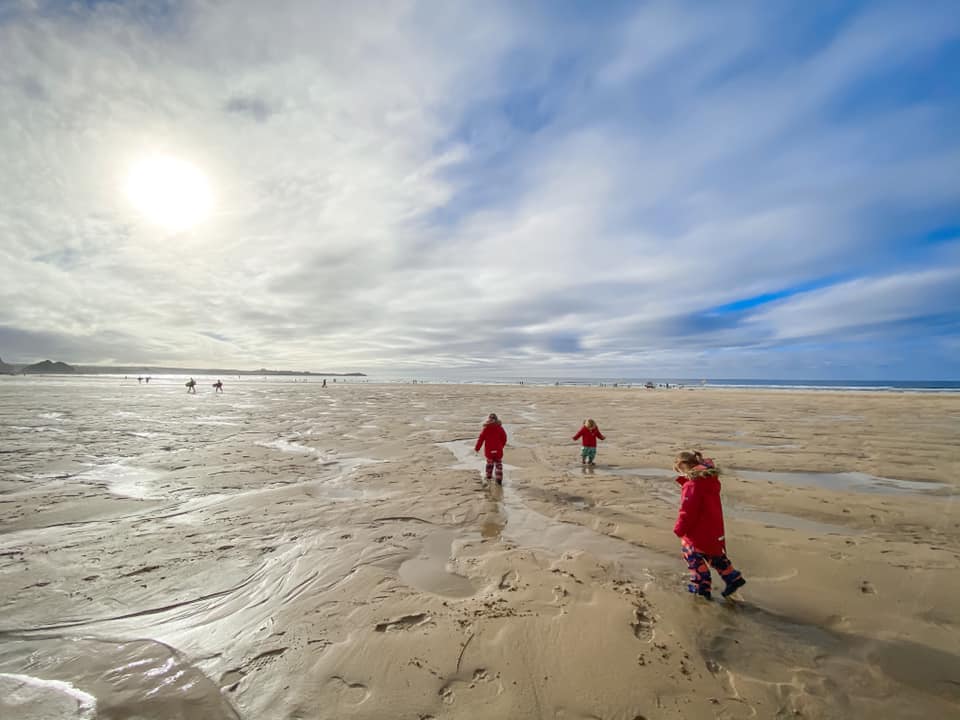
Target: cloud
{"x": 253, "y": 107}
{"x": 511, "y": 188}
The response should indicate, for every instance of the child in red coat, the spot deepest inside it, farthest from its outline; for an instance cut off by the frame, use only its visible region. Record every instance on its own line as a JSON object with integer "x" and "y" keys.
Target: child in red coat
{"x": 589, "y": 433}
{"x": 700, "y": 525}
{"x": 494, "y": 437}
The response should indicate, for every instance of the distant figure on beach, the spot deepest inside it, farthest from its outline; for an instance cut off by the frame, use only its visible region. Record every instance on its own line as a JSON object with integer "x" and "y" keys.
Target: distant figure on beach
{"x": 139, "y": 379}
{"x": 324, "y": 383}
{"x": 191, "y": 386}
{"x": 147, "y": 379}
{"x": 218, "y": 386}
{"x": 492, "y": 438}
{"x": 588, "y": 435}
{"x": 700, "y": 525}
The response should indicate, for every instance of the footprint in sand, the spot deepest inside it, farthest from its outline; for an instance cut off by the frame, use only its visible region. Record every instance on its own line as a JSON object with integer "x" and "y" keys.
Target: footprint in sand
{"x": 406, "y": 622}
{"x": 642, "y": 624}
{"x": 509, "y": 580}
{"x": 480, "y": 678}
{"x": 348, "y": 692}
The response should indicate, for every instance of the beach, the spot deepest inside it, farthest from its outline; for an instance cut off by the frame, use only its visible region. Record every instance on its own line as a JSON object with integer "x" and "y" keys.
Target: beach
{"x": 289, "y": 551}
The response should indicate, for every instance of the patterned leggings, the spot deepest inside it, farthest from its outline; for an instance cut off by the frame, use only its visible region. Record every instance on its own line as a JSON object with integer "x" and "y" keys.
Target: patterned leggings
{"x": 495, "y": 464}
{"x": 700, "y": 565}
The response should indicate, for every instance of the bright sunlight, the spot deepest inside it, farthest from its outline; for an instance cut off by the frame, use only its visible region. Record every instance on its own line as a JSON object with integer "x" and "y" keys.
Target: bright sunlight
{"x": 170, "y": 192}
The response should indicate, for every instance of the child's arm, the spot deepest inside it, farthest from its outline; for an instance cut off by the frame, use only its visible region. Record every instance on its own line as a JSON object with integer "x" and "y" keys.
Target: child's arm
{"x": 689, "y": 510}
{"x": 476, "y": 448}
{"x": 579, "y": 433}
{"x": 600, "y": 434}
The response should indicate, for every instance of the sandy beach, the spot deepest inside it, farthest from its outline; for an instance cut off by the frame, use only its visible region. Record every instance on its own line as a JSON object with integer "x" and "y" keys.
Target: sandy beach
{"x": 292, "y": 552}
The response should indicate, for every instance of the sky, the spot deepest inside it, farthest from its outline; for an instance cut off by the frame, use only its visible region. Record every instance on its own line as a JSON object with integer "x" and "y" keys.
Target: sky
{"x": 663, "y": 189}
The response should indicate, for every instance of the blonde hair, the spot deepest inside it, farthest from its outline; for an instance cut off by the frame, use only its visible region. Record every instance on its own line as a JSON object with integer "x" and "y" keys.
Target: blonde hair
{"x": 590, "y": 423}
{"x": 686, "y": 461}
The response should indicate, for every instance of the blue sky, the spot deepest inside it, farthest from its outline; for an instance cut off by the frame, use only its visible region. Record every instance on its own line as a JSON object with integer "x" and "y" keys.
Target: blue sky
{"x": 663, "y": 189}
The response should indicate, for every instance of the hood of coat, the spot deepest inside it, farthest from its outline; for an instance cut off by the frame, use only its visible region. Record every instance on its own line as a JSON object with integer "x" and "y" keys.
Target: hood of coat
{"x": 701, "y": 474}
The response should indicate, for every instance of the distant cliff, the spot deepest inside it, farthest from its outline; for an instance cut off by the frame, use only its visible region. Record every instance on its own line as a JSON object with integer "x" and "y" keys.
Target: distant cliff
{"x": 6, "y": 369}
{"x": 48, "y": 367}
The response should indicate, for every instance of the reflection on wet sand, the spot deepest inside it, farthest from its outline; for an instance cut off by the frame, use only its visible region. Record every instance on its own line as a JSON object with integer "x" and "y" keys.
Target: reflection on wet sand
{"x": 124, "y": 679}
{"x": 492, "y": 518}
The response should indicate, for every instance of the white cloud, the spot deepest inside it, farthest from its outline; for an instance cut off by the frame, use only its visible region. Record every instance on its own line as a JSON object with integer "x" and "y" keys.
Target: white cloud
{"x": 864, "y": 305}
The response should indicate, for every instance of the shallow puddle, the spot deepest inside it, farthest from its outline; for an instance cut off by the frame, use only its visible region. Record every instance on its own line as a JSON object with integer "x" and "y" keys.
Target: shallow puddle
{"x": 845, "y": 482}
{"x": 125, "y": 480}
{"x": 83, "y": 679}
{"x": 428, "y": 571}
{"x": 530, "y": 529}
{"x": 750, "y": 446}
{"x": 791, "y": 522}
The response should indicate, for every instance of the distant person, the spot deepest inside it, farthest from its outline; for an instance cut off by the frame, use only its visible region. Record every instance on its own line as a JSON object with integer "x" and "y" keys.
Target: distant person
{"x": 218, "y": 386}
{"x": 588, "y": 435}
{"x": 148, "y": 379}
{"x": 191, "y": 386}
{"x": 139, "y": 379}
{"x": 700, "y": 525}
{"x": 492, "y": 438}
{"x": 324, "y": 383}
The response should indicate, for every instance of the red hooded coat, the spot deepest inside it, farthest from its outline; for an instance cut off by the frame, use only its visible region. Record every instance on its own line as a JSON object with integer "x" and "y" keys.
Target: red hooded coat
{"x": 589, "y": 436}
{"x": 494, "y": 437}
{"x": 700, "y": 519}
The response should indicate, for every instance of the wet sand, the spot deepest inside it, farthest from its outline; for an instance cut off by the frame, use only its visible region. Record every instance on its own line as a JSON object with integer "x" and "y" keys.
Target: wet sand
{"x": 288, "y": 551}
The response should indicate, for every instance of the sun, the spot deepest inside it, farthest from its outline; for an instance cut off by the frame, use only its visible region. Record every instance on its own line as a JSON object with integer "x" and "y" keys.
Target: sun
{"x": 170, "y": 192}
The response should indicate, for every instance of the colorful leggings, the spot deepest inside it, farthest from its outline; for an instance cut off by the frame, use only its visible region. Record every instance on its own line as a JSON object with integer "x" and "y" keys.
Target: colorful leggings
{"x": 495, "y": 464}
{"x": 700, "y": 565}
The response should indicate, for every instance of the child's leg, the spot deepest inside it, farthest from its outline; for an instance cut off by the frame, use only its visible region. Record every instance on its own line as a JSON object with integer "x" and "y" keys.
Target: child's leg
{"x": 731, "y": 576}
{"x": 699, "y": 572}
{"x": 498, "y": 465}
{"x": 591, "y": 454}
{"x": 489, "y": 469}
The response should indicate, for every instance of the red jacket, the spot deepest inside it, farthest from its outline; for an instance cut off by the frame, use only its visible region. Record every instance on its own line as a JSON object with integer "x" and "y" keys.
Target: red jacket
{"x": 494, "y": 437}
{"x": 700, "y": 519}
{"x": 589, "y": 436}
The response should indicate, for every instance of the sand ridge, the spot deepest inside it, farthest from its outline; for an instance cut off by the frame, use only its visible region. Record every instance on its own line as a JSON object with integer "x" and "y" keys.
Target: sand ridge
{"x": 309, "y": 553}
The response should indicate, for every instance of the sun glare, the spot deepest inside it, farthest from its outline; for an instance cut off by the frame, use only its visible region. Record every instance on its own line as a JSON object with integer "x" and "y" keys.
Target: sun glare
{"x": 170, "y": 192}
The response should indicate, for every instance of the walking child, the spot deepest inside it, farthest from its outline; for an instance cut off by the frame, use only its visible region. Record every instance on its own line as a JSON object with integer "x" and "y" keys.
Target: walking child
{"x": 700, "y": 525}
{"x": 589, "y": 434}
{"x": 492, "y": 438}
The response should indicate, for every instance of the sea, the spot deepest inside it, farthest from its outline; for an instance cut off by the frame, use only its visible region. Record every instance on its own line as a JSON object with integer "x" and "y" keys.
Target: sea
{"x": 686, "y": 383}
{"x": 660, "y": 383}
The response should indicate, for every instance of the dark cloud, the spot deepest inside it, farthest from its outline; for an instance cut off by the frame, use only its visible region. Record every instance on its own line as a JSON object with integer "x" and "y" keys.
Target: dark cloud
{"x": 215, "y": 336}
{"x": 252, "y": 107}
{"x": 65, "y": 259}
{"x": 27, "y": 346}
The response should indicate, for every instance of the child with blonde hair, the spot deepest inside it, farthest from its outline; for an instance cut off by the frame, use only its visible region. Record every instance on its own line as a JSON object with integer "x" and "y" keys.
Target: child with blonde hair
{"x": 492, "y": 438}
{"x": 700, "y": 525}
{"x": 589, "y": 433}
